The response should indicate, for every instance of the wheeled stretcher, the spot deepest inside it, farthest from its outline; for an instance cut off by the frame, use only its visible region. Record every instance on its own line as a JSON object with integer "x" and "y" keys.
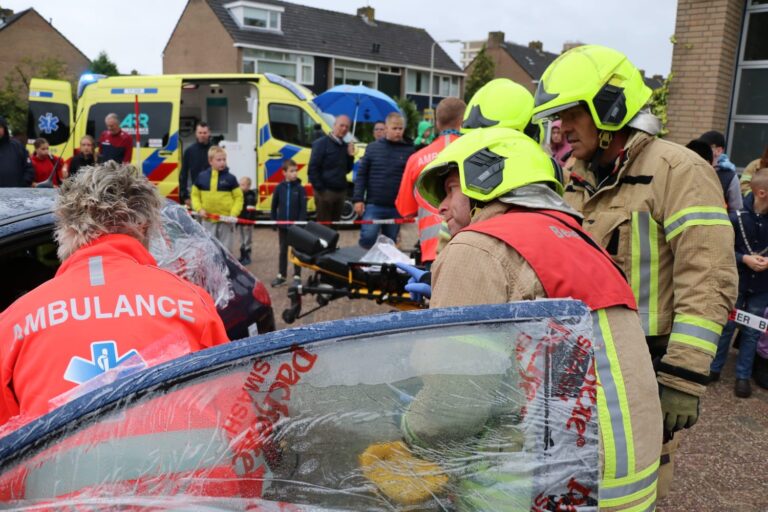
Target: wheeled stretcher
{"x": 340, "y": 272}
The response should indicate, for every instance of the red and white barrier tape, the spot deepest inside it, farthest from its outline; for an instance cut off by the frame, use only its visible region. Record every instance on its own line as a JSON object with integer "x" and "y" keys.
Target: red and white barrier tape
{"x": 238, "y": 220}
{"x": 749, "y": 320}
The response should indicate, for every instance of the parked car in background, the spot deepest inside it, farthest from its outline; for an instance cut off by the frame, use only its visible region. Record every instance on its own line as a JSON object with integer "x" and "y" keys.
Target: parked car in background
{"x": 28, "y": 258}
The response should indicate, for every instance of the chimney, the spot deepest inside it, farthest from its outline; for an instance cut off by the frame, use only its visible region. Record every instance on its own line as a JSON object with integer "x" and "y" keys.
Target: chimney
{"x": 642, "y": 72}
{"x": 660, "y": 78}
{"x": 5, "y": 14}
{"x": 366, "y": 13}
{"x": 495, "y": 39}
{"x": 571, "y": 44}
{"x": 536, "y": 45}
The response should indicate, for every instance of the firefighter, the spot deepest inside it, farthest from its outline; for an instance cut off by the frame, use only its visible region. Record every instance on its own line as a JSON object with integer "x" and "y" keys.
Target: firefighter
{"x": 657, "y": 208}
{"x": 448, "y": 117}
{"x": 515, "y": 239}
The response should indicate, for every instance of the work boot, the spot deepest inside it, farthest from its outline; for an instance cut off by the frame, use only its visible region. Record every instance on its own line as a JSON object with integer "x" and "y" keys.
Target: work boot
{"x": 760, "y": 371}
{"x": 296, "y": 279}
{"x": 743, "y": 388}
{"x": 714, "y": 376}
{"x": 278, "y": 281}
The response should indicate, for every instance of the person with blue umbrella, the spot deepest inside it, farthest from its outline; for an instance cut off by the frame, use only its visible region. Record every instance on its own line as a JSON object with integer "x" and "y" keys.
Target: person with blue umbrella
{"x": 359, "y": 102}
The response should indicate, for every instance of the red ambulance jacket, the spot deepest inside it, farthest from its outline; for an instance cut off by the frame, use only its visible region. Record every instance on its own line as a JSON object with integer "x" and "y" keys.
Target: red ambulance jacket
{"x": 409, "y": 203}
{"x": 108, "y": 303}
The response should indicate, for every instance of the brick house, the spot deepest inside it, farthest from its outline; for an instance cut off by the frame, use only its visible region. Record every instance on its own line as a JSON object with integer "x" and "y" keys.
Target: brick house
{"x": 720, "y": 74}
{"x": 521, "y": 64}
{"x": 524, "y": 64}
{"x": 317, "y": 48}
{"x": 28, "y": 36}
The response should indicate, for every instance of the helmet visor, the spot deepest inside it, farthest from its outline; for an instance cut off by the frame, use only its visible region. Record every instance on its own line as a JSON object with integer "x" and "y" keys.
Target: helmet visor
{"x": 431, "y": 183}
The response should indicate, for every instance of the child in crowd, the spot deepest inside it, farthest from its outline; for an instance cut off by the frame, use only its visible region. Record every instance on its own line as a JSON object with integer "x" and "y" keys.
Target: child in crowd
{"x": 216, "y": 191}
{"x": 44, "y": 164}
{"x": 246, "y": 230}
{"x": 85, "y": 157}
{"x": 751, "y": 228}
{"x": 289, "y": 202}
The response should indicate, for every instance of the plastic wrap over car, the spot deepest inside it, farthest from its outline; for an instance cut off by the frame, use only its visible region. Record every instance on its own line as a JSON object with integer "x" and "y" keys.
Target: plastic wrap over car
{"x": 185, "y": 249}
{"x": 476, "y": 408}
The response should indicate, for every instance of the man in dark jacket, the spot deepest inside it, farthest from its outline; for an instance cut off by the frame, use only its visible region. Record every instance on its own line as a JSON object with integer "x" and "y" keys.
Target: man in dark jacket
{"x": 378, "y": 181}
{"x": 195, "y": 159}
{"x": 15, "y": 166}
{"x": 725, "y": 169}
{"x": 329, "y": 164}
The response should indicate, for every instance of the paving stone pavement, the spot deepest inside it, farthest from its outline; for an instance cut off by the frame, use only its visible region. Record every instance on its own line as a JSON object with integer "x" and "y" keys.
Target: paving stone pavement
{"x": 722, "y": 464}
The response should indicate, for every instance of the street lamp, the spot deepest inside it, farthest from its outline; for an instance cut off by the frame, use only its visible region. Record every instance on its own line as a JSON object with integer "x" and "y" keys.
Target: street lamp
{"x": 432, "y": 66}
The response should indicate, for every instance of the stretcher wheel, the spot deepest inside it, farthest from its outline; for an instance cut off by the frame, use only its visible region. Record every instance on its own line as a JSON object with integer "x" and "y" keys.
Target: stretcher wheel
{"x": 324, "y": 298}
{"x": 290, "y": 314}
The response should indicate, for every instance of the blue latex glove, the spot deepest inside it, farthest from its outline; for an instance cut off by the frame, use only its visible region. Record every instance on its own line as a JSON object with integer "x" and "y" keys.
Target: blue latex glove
{"x": 419, "y": 285}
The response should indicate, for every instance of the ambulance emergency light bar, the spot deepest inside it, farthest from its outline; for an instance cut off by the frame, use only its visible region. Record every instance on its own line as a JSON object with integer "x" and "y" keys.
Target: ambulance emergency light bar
{"x": 87, "y": 79}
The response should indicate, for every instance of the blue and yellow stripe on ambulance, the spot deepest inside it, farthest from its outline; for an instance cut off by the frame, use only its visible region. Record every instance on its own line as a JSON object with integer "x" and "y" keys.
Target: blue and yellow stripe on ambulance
{"x": 164, "y": 174}
{"x": 273, "y": 170}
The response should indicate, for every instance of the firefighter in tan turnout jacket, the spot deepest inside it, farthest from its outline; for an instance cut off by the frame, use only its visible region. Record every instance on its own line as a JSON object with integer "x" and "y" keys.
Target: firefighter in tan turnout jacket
{"x": 658, "y": 210}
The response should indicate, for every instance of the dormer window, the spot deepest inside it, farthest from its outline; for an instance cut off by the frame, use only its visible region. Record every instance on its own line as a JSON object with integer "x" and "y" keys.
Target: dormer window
{"x": 252, "y": 15}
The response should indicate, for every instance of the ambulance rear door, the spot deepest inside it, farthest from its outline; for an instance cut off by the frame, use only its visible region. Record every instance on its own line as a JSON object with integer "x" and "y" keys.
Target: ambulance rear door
{"x": 156, "y": 98}
{"x": 50, "y": 116}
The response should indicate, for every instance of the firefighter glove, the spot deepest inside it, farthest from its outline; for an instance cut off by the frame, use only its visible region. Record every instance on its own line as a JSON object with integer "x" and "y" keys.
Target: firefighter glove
{"x": 420, "y": 283}
{"x": 400, "y": 475}
{"x": 679, "y": 410}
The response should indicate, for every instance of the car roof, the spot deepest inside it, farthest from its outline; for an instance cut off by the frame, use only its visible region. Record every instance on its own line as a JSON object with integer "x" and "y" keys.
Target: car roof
{"x": 25, "y": 208}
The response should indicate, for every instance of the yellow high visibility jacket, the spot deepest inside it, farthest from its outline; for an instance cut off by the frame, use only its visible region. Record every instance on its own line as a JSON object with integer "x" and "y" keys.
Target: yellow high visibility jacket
{"x": 661, "y": 216}
{"x": 217, "y": 192}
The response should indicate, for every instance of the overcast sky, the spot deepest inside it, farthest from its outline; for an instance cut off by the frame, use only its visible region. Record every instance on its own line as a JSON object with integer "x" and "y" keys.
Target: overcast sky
{"x": 134, "y": 32}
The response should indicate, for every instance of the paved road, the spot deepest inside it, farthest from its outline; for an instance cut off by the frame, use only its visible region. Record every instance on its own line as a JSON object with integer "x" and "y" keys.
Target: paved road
{"x": 723, "y": 460}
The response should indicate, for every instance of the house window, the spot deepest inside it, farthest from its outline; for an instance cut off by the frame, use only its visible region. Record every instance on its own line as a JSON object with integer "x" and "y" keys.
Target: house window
{"x": 255, "y": 15}
{"x": 748, "y": 130}
{"x": 355, "y": 73}
{"x": 417, "y": 82}
{"x": 299, "y": 68}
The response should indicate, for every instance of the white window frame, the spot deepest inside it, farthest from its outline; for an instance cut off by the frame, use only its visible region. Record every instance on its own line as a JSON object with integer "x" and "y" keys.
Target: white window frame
{"x": 348, "y": 65}
{"x": 237, "y": 11}
{"x": 742, "y": 65}
{"x": 299, "y": 60}
{"x": 454, "y": 83}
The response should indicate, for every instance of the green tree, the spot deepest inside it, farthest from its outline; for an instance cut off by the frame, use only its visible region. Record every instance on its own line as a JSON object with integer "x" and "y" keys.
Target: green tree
{"x": 412, "y": 117}
{"x": 483, "y": 71}
{"x": 15, "y": 91}
{"x": 658, "y": 104}
{"x": 103, "y": 66}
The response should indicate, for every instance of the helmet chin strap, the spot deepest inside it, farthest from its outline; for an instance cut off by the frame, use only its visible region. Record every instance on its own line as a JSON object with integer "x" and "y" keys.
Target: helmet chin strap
{"x": 604, "y": 139}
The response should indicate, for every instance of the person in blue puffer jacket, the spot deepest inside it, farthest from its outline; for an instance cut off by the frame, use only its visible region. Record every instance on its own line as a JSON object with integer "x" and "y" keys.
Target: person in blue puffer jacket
{"x": 378, "y": 181}
{"x": 289, "y": 202}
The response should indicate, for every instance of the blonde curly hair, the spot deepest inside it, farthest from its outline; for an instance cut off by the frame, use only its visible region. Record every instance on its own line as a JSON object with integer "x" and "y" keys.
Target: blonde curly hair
{"x": 105, "y": 199}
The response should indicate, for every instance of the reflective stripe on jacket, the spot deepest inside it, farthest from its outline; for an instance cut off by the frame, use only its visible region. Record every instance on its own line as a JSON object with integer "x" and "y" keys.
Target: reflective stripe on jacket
{"x": 409, "y": 203}
{"x": 476, "y": 268}
{"x": 660, "y": 215}
{"x": 108, "y": 303}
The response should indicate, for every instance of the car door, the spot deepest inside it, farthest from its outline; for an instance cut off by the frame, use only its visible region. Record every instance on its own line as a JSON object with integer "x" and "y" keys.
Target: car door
{"x": 447, "y": 408}
{"x": 50, "y": 116}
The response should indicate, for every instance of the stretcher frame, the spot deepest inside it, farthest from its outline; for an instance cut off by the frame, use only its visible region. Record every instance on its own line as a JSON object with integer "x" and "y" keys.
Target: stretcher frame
{"x": 328, "y": 286}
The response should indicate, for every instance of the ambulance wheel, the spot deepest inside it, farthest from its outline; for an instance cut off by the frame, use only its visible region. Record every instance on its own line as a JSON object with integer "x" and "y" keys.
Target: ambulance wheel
{"x": 290, "y": 314}
{"x": 348, "y": 210}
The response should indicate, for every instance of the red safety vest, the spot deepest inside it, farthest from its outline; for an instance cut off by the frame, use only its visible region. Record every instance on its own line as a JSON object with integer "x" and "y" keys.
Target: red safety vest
{"x": 410, "y": 203}
{"x": 556, "y": 247}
